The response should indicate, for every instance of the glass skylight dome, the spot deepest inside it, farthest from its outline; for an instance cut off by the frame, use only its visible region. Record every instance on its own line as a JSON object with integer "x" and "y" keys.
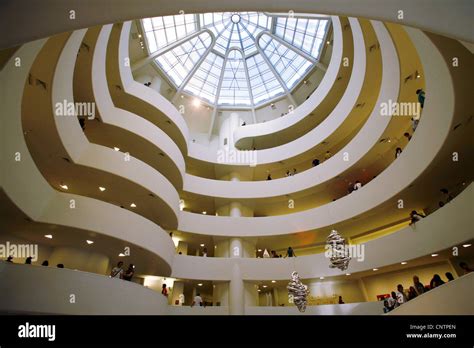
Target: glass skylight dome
{"x": 235, "y": 58}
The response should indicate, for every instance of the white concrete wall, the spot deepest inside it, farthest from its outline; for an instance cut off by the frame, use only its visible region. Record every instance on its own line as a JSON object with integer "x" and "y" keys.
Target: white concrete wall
{"x": 49, "y": 290}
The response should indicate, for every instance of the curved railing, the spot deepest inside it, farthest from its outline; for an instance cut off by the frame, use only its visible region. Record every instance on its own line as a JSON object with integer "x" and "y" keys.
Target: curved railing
{"x": 29, "y": 191}
{"x": 363, "y": 141}
{"x": 117, "y": 127}
{"x": 91, "y": 161}
{"x": 65, "y": 291}
{"x": 424, "y": 148}
{"x": 426, "y": 237}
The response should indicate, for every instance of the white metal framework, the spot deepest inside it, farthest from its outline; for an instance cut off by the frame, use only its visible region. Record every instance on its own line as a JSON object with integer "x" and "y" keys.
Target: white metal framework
{"x": 236, "y": 58}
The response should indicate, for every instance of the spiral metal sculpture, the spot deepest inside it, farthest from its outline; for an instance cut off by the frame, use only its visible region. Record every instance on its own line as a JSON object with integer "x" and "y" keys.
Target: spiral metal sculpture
{"x": 298, "y": 291}
{"x": 339, "y": 257}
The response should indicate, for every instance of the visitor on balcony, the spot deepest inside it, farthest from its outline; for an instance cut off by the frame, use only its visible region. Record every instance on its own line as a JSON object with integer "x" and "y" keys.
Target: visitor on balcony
{"x": 421, "y": 97}
{"x": 411, "y": 293}
{"x": 401, "y": 297}
{"x": 398, "y": 152}
{"x": 290, "y": 252}
{"x": 117, "y": 271}
{"x": 28, "y": 260}
{"x": 463, "y": 266}
{"x": 357, "y": 185}
{"x": 128, "y": 275}
{"x": 197, "y": 300}
{"x": 419, "y": 287}
{"x": 436, "y": 281}
{"x": 415, "y": 217}
{"x": 450, "y": 276}
{"x": 392, "y": 301}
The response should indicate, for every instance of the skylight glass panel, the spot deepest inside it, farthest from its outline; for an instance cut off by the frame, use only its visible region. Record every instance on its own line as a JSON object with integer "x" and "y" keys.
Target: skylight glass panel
{"x": 179, "y": 61}
{"x": 288, "y": 63}
{"x": 234, "y": 89}
{"x": 206, "y": 79}
{"x": 162, "y": 31}
{"x": 263, "y": 82}
{"x": 303, "y": 33}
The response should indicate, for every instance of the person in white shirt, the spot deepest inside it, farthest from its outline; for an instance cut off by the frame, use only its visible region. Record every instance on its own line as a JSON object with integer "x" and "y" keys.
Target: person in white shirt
{"x": 117, "y": 271}
{"x": 392, "y": 301}
{"x": 357, "y": 185}
{"x": 197, "y": 300}
{"x": 401, "y": 297}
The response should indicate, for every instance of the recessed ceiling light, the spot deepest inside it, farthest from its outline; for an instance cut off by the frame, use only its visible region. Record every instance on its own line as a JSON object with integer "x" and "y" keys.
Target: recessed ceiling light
{"x": 259, "y": 290}
{"x": 404, "y": 262}
{"x": 89, "y": 242}
{"x": 466, "y": 245}
{"x": 121, "y": 255}
{"x": 49, "y": 236}
{"x": 434, "y": 255}
{"x": 202, "y": 245}
{"x": 259, "y": 250}
{"x": 204, "y": 212}
{"x": 116, "y": 148}
{"x": 264, "y": 286}
{"x": 133, "y": 205}
{"x": 102, "y": 188}
{"x": 321, "y": 278}
{"x": 375, "y": 269}
{"x": 64, "y": 187}
{"x": 274, "y": 281}
{"x": 140, "y": 35}
{"x": 196, "y": 102}
{"x": 328, "y": 42}
{"x": 182, "y": 96}
{"x": 348, "y": 274}
{"x": 200, "y": 284}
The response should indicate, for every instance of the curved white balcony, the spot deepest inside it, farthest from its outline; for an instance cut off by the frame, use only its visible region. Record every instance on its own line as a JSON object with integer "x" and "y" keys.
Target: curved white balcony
{"x": 118, "y": 127}
{"x": 45, "y": 290}
{"x": 24, "y": 184}
{"x": 427, "y": 237}
{"x": 137, "y": 98}
{"x": 92, "y": 160}
{"x": 422, "y": 151}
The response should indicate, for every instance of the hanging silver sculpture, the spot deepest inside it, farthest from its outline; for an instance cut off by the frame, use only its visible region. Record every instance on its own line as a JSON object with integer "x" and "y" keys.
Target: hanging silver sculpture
{"x": 298, "y": 292}
{"x": 337, "y": 251}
